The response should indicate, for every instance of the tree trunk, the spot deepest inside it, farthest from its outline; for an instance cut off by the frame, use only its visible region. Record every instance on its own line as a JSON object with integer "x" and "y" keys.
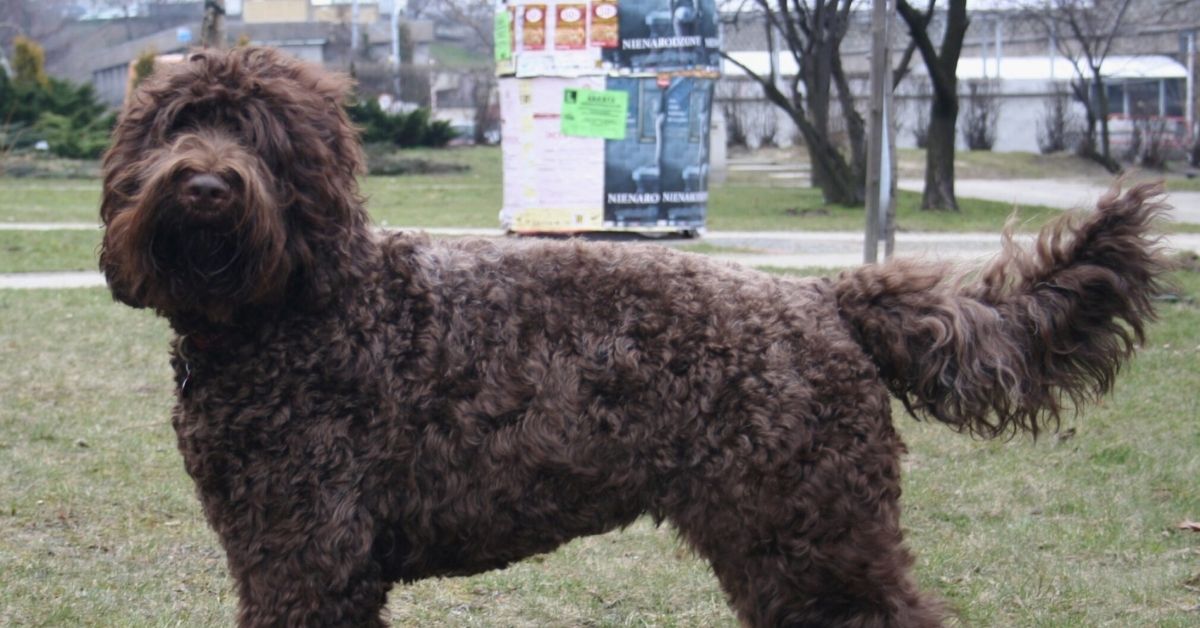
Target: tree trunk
{"x": 943, "y": 110}
{"x": 840, "y": 183}
{"x": 939, "y": 157}
{"x": 856, "y": 127}
{"x": 1098, "y": 112}
{"x": 813, "y": 38}
{"x": 839, "y": 186}
{"x": 1105, "y": 143}
{"x": 816, "y": 96}
{"x": 212, "y": 31}
{"x": 831, "y": 174}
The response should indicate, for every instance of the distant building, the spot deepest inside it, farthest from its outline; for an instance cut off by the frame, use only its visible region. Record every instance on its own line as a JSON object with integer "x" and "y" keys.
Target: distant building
{"x": 296, "y": 11}
{"x": 1139, "y": 88}
{"x": 100, "y": 51}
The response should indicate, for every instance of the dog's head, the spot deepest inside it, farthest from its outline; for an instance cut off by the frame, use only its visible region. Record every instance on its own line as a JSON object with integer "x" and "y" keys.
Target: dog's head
{"x": 231, "y": 182}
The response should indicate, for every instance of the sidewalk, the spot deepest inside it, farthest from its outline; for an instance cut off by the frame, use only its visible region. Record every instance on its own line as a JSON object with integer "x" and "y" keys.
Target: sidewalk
{"x": 810, "y": 249}
{"x": 1059, "y": 193}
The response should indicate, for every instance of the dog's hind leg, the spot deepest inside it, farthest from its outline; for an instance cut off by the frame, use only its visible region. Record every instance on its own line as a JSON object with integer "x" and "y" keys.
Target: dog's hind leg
{"x": 812, "y": 542}
{"x": 786, "y": 586}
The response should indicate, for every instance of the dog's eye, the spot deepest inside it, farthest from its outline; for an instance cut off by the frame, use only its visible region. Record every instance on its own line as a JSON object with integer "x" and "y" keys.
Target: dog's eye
{"x": 203, "y": 116}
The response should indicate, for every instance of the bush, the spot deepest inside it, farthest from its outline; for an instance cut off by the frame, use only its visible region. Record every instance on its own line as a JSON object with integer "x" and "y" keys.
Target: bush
{"x": 385, "y": 159}
{"x": 979, "y": 122}
{"x": 1057, "y": 129}
{"x": 73, "y": 138}
{"x": 923, "y": 99}
{"x": 405, "y": 130}
{"x": 143, "y": 66}
{"x": 1149, "y": 144}
{"x": 35, "y": 107}
{"x": 29, "y": 61}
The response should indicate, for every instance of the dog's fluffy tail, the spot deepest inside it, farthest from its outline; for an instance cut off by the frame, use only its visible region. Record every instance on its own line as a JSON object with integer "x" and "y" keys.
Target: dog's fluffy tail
{"x": 1038, "y": 327}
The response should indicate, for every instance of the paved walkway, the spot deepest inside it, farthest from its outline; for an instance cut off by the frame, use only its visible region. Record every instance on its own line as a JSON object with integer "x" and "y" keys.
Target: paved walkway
{"x": 757, "y": 248}
{"x": 1063, "y": 194}
{"x": 783, "y": 249}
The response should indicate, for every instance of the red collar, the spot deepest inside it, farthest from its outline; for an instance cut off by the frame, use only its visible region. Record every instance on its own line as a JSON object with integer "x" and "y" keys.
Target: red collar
{"x": 206, "y": 342}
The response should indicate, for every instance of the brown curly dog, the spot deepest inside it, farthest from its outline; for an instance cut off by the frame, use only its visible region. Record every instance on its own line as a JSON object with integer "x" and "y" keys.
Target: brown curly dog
{"x": 360, "y": 409}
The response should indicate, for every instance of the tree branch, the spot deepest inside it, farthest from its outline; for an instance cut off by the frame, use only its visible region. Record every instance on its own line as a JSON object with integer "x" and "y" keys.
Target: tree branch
{"x": 770, "y": 90}
{"x": 902, "y": 69}
{"x": 920, "y": 36}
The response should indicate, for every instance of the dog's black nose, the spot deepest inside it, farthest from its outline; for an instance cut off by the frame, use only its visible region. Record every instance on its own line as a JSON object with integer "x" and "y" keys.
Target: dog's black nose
{"x": 205, "y": 189}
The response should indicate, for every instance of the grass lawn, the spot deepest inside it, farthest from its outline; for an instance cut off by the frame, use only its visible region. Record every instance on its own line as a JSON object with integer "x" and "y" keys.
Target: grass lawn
{"x": 984, "y": 164}
{"x": 30, "y": 251}
{"x": 1183, "y": 184}
{"x": 49, "y": 200}
{"x": 746, "y": 201}
{"x": 98, "y": 524}
{"x": 472, "y": 199}
{"x": 469, "y": 199}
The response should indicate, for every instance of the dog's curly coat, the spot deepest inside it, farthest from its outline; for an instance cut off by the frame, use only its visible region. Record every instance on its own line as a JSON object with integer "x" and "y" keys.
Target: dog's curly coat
{"x": 358, "y": 410}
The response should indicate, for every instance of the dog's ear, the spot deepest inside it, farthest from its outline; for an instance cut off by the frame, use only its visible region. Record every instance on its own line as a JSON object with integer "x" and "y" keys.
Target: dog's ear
{"x": 313, "y": 101}
{"x": 338, "y": 91}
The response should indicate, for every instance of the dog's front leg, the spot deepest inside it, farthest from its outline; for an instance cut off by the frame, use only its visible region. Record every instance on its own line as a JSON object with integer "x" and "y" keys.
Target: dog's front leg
{"x": 300, "y": 552}
{"x": 313, "y": 578}
{"x": 274, "y": 596}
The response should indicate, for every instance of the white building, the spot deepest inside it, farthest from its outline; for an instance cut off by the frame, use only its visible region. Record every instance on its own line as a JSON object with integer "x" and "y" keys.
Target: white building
{"x": 1148, "y": 86}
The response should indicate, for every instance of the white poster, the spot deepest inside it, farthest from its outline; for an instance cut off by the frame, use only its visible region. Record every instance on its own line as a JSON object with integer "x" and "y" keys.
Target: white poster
{"x": 552, "y": 182}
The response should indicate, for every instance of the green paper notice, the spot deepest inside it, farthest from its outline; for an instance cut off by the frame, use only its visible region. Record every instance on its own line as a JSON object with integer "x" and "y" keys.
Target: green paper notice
{"x": 594, "y": 113}
{"x": 503, "y": 35}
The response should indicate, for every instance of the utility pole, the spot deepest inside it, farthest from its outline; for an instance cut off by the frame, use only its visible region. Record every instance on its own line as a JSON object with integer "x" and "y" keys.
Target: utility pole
{"x": 212, "y": 29}
{"x": 998, "y": 48}
{"x": 396, "y": 60}
{"x": 1190, "y": 103}
{"x": 879, "y": 183}
{"x": 353, "y": 29}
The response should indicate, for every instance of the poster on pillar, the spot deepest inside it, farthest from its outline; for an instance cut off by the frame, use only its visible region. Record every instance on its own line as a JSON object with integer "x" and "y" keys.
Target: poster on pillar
{"x": 667, "y": 35}
{"x": 558, "y": 178}
{"x": 553, "y": 182}
{"x": 606, "y": 121}
{"x": 551, "y": 38}
{"x": 657, "y": 176}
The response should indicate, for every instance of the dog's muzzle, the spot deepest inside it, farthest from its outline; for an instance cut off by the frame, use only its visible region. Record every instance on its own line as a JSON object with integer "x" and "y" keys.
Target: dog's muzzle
{"x": 205, "y": 196}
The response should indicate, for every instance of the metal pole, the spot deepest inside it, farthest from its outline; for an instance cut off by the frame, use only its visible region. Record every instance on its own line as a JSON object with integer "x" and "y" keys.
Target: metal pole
{"x": 353, "y": 27}
{"x": 983, "y": 53}
{"x": 1053, "y": 52}
{"x": 396, "y": 32}
{"x": 888, "y": 209}
{"x": 212, "y": 31}
{"x": 1190, "y": 104}
{"x": 1162, "y": 98}
{"x": 999, "y": 48}
{"x": 876, "y": 134}
{"x": 396, "y": 60}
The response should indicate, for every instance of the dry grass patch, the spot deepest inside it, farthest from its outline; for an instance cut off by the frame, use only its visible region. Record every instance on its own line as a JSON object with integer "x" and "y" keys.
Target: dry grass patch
{"x": 98, "y": 525}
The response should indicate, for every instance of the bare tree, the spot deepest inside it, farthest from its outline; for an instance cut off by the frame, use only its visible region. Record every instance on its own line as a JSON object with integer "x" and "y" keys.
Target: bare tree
{"x": 36, "y": 19}
{"x": 812, "y": 32}
{"x": 477, "y": 15}
{"x": 212, "y": 31}
{"x": 1083, "y": 31}
{"x": 942, "y": 67}
{"x": 1056, "y": 130}
{"x": 981, "y": 117}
